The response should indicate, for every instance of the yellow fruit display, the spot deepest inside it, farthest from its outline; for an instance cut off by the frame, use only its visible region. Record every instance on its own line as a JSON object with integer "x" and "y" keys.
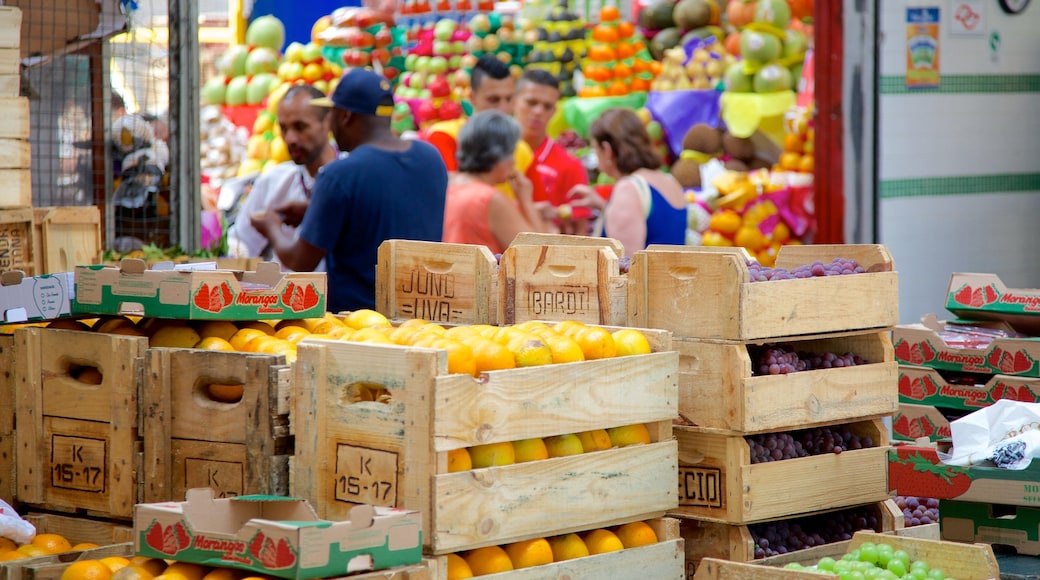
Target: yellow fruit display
{"x": 636, "y": 534}
{"x": 536, "y": 552}
{"x": 488, "y": 560}
{"x": 568, "y": 547}
{"x": 86, "y": 570}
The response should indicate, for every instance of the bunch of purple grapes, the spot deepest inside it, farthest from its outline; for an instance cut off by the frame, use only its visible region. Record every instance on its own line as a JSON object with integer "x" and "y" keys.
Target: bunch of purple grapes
{"x": 766, "y": 447}
{"x": 623, "y": 263}
{"x": 775, "y": 538}
{"x": 783, "y": 359}
{"x": 837, "y": 267}
{"x": 918, "y": 511}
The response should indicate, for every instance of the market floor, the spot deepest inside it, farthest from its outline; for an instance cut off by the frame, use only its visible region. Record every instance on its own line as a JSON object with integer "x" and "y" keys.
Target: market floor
{"x": 1015, "y": 567}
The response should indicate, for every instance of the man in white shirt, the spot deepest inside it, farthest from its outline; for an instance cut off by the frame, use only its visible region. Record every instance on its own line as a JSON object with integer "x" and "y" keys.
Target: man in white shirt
{"x": 305, "y": 130}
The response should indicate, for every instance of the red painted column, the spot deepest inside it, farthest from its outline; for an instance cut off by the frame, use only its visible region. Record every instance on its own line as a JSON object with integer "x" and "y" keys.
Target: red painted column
{"x": 829, "y": 187}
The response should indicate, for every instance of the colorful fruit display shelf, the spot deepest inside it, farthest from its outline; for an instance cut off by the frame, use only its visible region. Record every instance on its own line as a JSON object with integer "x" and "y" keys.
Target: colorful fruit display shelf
{"x": 61, "y": 541}
{"x": 964, "y": 561}
{"x": 76, "y": 408}
{"x": 445, "y": 283}
{"x": 403, "y": 450}
{"x": 711, "y": 295}
{"x": 735, "y": 480}
{"x": 728, "y": 385}
{"x": 215, "y": 419}
{"x": 748, "y": 542}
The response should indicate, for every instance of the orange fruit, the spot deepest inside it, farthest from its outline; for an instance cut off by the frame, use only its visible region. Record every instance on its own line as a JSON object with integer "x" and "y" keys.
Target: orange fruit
{"x": 225, "y": 393}
{"x": 636, "y": 534}
{"x": 750, "y": 237}
{"x": 175, "y": 337}
{"x": 115, "y": 563}
{"x": 630, "y": 341}
{"x": 568, "y": 547}
{"x": 373, "y": 334}
{"x": 458, "y": 569}
{"x": 86, "y": 570}
{"x": 221, "y": 573}
{"x": 629, "y": 435}
{"x": 7, "y": 545}
{"x": 655, "y": 67}
{"x": 596, "y": 343}
{"x": 617, "y": 89}
{"x": 595, "y": 440}
{"x": 725, "y": 222}
{"x": 68, "y": 324}
{"x": 364, "y": 318}
{"x": 530, "y": 351}
{"x": 488, "y": 560}
{"x": 530, "y": 450}
{"x": 626, "y": 29}
{"x": 790, "y": 161}
{"x": 793, "y": 143}
{"x": 32, "y": 551}
{"x": 609, "y": 13}
{"x": 592, "y": 91}
{"x": 215, "y": 343}
{"x": 132, "y": 573}
{"x": 126, "y": 329}
{"x": 536, "y": 552}
{"x": 602, "y": 541}
{"x": 622, "y": 71}
{"x": 153, "y": 565}
{"x": 257, "y": 324}
{"x": 564, "y": 445}
{"x": 402, "y": 334}
{"x": 458, "y": 460}
{"x": 488, "y": 355}
{"x": 624, "y": 51}
{"x": 601, "y": 53}
{"x": 492, "y": 454}
{"x": 604, "y": 33}
{"x": 288, "y": 322}
{"x": 564, "y": 349}
{"x": 807, "y": 164}
{"x": 288, "y": 331}
{"x": 187, "y": 569}
{"x": 12, "y": 555}
{"x": 243, "y": 337}
{"x": 460, "y": 357}
{"x": 568, "y": 327}
{"x": 218, "y": 328}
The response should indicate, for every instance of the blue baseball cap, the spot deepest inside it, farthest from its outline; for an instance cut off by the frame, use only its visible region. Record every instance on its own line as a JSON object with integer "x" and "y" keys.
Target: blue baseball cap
{"x": 361, "y": 91}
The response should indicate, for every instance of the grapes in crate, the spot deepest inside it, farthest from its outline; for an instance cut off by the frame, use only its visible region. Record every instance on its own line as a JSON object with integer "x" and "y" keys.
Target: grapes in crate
{"x": 817, "y": 269}
{"x": 918, "y": 511}
{"x": 781, "y": 537}
{"x": 766, "y": 447}
{"x": 783, "y": 359}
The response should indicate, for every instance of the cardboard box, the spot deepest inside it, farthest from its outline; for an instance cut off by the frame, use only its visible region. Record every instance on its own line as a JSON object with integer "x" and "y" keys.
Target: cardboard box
{"x": 986, "y": 297}
{"x": 278, "y": 536}
{"x": 48, "y": 25}
{"x": 31, "y": 299}
{"x": 916, "y": 470}
{"x": 922, "y": 345}
{"x": 920, "y": 385}
{"x": 912, "y": 422}
{"x": 195, "y": 294}
{"x": 1012, "y": 526}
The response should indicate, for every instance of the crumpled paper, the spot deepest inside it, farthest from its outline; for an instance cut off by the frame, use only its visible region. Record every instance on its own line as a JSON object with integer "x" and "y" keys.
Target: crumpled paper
{"x": 1004, "y": 434}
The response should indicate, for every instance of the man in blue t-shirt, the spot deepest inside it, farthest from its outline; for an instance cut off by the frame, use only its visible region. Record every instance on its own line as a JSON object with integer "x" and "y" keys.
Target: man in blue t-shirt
{"x": 388, "y": 188}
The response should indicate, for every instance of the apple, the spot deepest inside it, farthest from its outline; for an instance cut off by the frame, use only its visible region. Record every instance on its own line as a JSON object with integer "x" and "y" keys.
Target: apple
{"x": 235, "y": 94}
{"x": 383, "y": 37}
{"x": 422, "y": 64}
{"x": 258, "y": 87}
{"x": 460, "y": 78}
{"x": 294, "y": 52}
{"x": 449, "y": 110}
{"x": 409, "y": 61}
{"x": 417, "y": 80}
{"x": 458, "y": 47}
{"x": 424, "y": 94}
{"x": 261, "y": 60}
{"x": 214, "y": 89}
{"x": 479, "y": 23}
{"x": 443, "y": 29}
{"x": 426, "y": 112}
{"x": 293, "y": 72}
{"x": 312, "y": 72}
{"x": 454, "y": 62}
{"x": 311, "y": 52}
{"x": 439, "y": 86}
{"x": 438, "y": 64}
{"x": 234, "y": 60}
{"x": 441, "y": 47}
{"x": 266, "y": 31}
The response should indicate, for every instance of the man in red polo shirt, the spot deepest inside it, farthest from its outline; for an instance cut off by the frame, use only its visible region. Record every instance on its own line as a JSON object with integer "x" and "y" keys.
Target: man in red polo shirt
{"x": 535, "y": 103}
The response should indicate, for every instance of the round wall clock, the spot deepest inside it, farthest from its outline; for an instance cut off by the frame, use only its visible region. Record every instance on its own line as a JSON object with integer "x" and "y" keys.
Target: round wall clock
{"x": 1013, "y": 6}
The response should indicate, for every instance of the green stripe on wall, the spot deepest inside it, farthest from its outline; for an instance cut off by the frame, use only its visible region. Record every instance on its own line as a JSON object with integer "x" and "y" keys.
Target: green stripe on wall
{"x": 965, "y": 84}
{"x": 975, "y": 184}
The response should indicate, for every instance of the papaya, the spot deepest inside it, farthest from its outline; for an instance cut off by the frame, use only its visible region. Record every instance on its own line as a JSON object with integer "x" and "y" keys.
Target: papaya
{"x": 663, "y": 40}
{"x": 691, "y": 14}
{"x": 658, "y": 15}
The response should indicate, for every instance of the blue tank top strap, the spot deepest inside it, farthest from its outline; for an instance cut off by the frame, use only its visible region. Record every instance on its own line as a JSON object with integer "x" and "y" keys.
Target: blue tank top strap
{"x": 665, "y": 224}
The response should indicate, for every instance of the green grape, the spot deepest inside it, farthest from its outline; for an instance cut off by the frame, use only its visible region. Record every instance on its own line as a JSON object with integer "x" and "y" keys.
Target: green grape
{"x": 852, "y": 576}
{"x": 936, "y": 574}
{"x": 902, "y": 556}
{"x": 868, "y": 552}
{"x": 885, "y": 548}
{"x": 918, "y": 573}
{"x": 919, "y": 564}
{"x": 794, "y": 566}
{"x": 897, "y": 567}
{"x": 886, "y": 575}
{"x": 825, "y": 563}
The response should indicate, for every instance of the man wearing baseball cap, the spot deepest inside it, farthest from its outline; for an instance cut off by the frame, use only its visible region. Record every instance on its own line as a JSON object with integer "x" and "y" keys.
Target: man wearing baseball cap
{"x": 388, "y": 188}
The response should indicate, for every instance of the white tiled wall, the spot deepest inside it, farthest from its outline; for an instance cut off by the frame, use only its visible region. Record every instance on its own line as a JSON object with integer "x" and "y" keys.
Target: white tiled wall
{"x": 941, "y": 135}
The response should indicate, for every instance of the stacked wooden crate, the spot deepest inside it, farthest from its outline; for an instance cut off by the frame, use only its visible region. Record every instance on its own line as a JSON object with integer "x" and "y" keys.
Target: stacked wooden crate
{"x": 16, "y": 218}
{"x": 396, "y": 451}
{"x": 720, "y": 319}
{"x": 66, "y": 237}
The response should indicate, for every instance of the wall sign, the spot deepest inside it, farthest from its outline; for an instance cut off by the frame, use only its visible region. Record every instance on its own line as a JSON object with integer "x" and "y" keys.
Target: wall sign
{"x": 922, "y": 47}
{"x": 968, "y": 17}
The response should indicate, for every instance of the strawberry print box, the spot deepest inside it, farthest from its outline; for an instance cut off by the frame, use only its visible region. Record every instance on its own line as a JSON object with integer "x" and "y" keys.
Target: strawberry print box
{"x": 916, "y": 470}
{"x": 988, "y": 348}
{"x": 925, "y": 386}
{"x": 276, "y": 536}
{"x": 986, "y": 297}
{"x": 193, "y": 292}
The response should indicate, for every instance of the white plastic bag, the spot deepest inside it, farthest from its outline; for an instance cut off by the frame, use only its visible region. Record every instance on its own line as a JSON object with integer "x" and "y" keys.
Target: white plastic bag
{"x": 13, "y": 527}
{"x": 1004, "y": 434}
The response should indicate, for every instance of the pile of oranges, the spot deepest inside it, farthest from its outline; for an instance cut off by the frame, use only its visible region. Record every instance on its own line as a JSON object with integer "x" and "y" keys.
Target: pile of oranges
{"x": 799, "y": 142}
{"x": 542, "y": 551}
{"x": 536, "y": 449}
{"x": 617, "y": 62}
{"x": 40, "y": 545}
{"x": 142, "y": 568}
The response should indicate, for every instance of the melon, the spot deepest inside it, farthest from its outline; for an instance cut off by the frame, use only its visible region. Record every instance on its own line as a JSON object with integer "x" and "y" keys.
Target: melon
{"x": 773, "y": 12}
{"x": 759, "y": 47}
{"x": 736, "y": 80}
{"x": 772, "y": 78}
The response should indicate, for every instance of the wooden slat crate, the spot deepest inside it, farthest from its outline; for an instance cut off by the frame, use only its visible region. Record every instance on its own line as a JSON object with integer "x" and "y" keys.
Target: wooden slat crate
{"x": 718, "y": 482}
{"x": 77, "y": 443}
{"x": 448, "y": 283}
{"x": 561, "y": 282}
{"x": 7, "y": 465}
{"x": 421, "y": 571}
{"x": 192, "y": 440}
{"x": 838, "y": 549}
{"x": 735, "y": 542}
{"x": 663, "y": 560}
{"x": 10, "y": 85}
{"x": 10, "y": 28}
{"x": 965, "y": 561}
{"x": 397, "y": 453}
{"x": 14, "y": 153}
{"x": 16, "y": 239}
{"x": 718, "y": 387}
{"x": 17, "y": 191}
{"x": 113, "y": 539}
{"x": 14, "y": 119}
{"x": 536, "y": 239}
{"x": 708, "y": 294}
{"x": 66, "y": 237}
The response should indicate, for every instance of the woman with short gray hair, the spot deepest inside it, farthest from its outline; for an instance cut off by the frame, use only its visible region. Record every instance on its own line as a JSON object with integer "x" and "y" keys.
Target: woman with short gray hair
{"x": 475, "y": 211}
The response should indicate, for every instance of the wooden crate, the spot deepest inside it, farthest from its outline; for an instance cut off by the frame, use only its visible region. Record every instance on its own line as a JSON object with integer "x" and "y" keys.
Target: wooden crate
{"x": 14, "y": 121}
{"x": 706, "y": 539}
{"x": 452, "y": 283}
{"x": 77, "y": 444}
{"x": 964, "y": 561}
{"x": 10, "y": 28}
{"x": 17, "y": 191}
{"x": 699, "y": 294}
{"x": 718, "y": 482}
{"x": 421, "y": 571}
{"x": 10, "y": 61}
{"x": 718, "y": 388}
{"x": 663, "y": 560}
{"x": 396, "y": 453}
{"x": 112, "y": 538}
{"x": 66, "y": 237}
{"x": 7, "y": 464}
{"x": 561, "y": 282}
{"x": 16, "y": 239}
{"x": 14, "y": 153}
{"x": 192, "y": 440}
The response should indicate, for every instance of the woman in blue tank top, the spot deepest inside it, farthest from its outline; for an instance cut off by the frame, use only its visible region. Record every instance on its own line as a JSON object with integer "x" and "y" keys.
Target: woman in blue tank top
{"x": 647, "y": 206}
